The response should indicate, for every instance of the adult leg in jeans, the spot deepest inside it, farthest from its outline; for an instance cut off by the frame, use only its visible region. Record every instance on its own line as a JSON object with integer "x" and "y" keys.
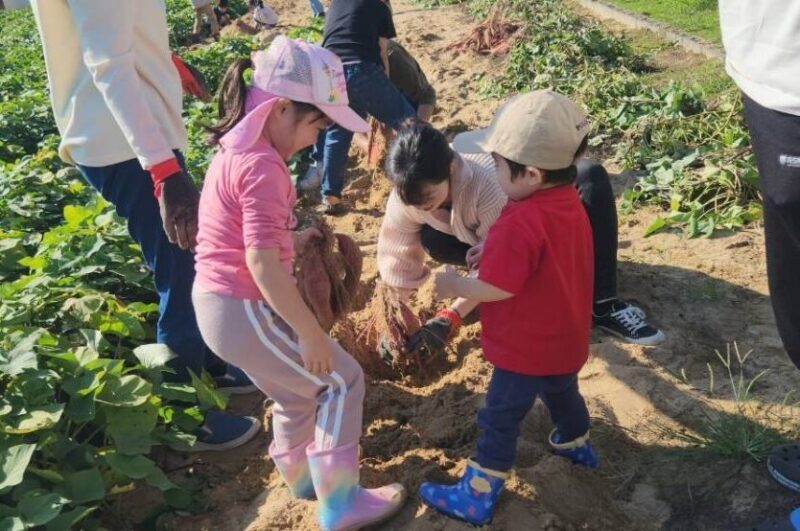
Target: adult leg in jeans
{"x": 610, "y": 313}
{"x": 369, "y": 92}
{"x": 129, "y": 188}
{"x": 443, "y": 248}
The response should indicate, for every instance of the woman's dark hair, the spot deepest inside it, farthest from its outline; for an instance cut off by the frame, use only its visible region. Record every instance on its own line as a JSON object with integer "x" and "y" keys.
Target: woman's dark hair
{"x": 561, "y": 176}
{"x": 232, "y": 98}
{"x": 418, "y": 156}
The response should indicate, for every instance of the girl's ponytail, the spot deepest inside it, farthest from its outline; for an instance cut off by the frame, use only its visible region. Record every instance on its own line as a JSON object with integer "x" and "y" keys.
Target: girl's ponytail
{"x": 231, "y": 100}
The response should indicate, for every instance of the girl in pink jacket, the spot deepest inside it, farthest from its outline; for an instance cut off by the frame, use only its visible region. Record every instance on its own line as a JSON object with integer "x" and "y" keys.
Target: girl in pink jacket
{"x": 249, "y": 309}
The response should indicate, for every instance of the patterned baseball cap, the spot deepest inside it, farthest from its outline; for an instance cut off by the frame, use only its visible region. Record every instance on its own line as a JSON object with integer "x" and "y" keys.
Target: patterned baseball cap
{"x": 299, "y": 71}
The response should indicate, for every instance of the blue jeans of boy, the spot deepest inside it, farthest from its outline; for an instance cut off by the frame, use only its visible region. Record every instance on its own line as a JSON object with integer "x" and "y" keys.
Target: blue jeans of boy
{"x": 130, "y": 189}
{"x": 510, "y": 397}
{"x": 317, "y": 8}
{"x": 369, "y": 92}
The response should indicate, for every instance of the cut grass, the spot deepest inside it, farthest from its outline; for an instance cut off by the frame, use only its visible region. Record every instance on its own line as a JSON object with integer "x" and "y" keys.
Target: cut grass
{"x": 695, "y": 17}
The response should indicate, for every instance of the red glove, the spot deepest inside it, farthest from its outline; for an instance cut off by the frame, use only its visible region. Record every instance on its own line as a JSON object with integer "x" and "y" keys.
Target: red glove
{"x": 192, "y": 80}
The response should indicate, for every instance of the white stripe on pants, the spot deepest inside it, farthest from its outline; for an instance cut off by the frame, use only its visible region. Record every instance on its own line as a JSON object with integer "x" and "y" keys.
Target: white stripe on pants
{"x": 249, "y": 335}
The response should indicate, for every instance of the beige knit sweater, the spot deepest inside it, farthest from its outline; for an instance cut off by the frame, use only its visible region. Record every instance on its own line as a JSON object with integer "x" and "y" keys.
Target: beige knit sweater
{"x": 477, "y": 200}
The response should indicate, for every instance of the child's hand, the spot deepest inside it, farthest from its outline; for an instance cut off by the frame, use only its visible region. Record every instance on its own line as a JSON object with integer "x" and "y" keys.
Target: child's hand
{"x": 474, "y": 256}
{"x": 302, "y": 237}
{"x": 445, "y": 284}
{"x": 317, "y": 353}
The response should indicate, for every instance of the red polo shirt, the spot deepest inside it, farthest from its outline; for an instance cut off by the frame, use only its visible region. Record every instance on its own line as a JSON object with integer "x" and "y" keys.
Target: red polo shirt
{"x": 539, "y": 249}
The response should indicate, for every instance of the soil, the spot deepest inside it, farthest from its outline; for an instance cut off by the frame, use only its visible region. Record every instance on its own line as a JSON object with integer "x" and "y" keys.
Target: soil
{"x": 704, "y": 293}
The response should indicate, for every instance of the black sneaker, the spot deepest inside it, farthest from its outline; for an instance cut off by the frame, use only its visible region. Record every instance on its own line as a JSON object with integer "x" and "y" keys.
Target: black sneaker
{"x": 628, "y": 322}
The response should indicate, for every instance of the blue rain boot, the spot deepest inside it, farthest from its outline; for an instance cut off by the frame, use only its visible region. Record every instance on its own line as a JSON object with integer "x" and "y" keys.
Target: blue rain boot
{"x": 472, "y": 499}
{"x": 579, "y": 450}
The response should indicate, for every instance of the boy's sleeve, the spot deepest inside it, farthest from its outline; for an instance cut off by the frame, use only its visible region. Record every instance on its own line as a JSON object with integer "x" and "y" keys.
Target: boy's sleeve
{"x": 385, "y": 22}
{"x": 509, "y": 257}
{"x": 264, "y": 193}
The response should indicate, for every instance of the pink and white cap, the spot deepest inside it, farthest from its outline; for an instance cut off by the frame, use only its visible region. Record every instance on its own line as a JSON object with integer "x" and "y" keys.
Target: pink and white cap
{"x": 299, "y": 71}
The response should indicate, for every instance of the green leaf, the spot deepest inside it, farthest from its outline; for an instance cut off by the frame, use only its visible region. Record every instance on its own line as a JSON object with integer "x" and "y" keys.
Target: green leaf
{"x": 133, "y": 467}
{"x": 158, "y": 479}
{"x": 12, "y": 523}
{"x": 82, "y": 385}
{"x": 177, "y": 440}
{"x": 206, "y": 394}
{"x": 657, "y": 225}
{"x": 13, "y": 462}
{"x": 48, "y": 475}
{"x": 39, "y": 419}
{"x": 23, "y": 356}
{"x": 38, "y": 507}
{"x": 81, "y": 409}
{"x": 188, "y": 419}
{"x": 129, "y": 390}
{"x": 122, "y": 324}
{"x": 178, "y": 498}
{"x": 85, "y": 355}
{"x": 86, "y": 309}
{"x": 131, "y": 428}
{"x": 95, "y": 341}
{"x": 179, "y": 392}
{"x": 68, "y": 520}
{"x": 154, "y": 355}
{"x": 84, "y": 486}
{"x": 33, "y": 262}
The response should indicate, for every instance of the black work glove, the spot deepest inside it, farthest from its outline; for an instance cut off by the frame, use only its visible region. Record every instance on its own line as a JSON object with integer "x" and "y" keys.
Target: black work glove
{"x": 390, "y": 356}
{"x": 178, "y": 203}
{"x": 431, "y": 339}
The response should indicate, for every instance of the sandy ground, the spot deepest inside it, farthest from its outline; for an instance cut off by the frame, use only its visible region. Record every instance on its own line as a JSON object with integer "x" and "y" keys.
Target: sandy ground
{"x": 705, "y": 294}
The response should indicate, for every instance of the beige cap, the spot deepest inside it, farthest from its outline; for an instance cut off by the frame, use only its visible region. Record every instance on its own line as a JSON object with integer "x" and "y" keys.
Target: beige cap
{"x": 542, "y": 129}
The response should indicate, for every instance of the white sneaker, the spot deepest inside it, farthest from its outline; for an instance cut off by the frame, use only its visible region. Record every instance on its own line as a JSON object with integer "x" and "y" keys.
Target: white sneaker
{"x": 312, "y": 178}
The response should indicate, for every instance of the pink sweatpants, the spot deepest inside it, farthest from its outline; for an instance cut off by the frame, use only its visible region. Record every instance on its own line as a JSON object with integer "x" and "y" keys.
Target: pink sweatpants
{"x": 249, "y": 335}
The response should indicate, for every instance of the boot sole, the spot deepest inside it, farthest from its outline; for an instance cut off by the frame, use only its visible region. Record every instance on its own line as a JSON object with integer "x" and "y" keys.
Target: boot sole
{"x": 379, "y": 519}
{"x": 455, "y": 516}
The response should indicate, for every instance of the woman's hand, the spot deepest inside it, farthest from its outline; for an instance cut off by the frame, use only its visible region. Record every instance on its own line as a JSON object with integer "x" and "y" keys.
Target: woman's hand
{"x": 474, "y": 256}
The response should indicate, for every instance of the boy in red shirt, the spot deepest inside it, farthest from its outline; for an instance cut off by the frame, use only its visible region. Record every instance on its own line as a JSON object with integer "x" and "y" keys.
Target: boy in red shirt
{"x": 535, "y": 286}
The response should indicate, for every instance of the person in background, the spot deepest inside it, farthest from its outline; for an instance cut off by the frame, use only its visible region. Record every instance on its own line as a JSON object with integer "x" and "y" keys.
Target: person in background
{"x": 358, "y": 31}
{"x": 222, "y": 13}
{"x": 407, "y": 75}
{"x": 204, "y": 9}
{"x": 116, "y": 98}
{"x": 762, "y": 51}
